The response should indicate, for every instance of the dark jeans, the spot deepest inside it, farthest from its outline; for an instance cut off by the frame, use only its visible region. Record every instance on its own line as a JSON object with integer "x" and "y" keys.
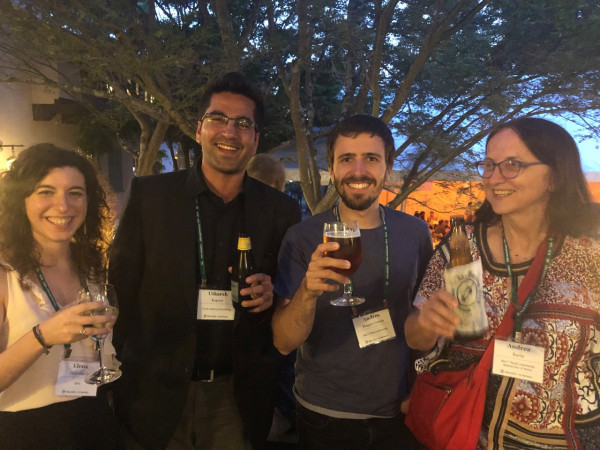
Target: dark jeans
{"x": 319, "y": 432}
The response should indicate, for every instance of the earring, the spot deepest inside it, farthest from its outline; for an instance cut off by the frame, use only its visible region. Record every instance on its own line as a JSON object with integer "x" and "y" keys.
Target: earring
{"x": 85, "y": 228}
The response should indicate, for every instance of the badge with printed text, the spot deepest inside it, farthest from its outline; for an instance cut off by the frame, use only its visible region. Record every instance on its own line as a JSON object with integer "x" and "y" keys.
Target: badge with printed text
{"x": 373, "y": 328}
{"x": 70, "y": 380}
{"x": 513, "y": 359}
{"x": 215, "y": 304}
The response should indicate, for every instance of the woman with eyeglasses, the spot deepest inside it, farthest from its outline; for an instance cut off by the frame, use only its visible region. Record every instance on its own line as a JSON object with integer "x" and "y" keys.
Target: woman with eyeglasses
{"x": 538, "y": 207}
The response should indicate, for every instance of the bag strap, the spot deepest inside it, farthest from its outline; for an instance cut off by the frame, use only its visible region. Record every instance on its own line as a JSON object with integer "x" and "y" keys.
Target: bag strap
{"x": 530, "y": 281}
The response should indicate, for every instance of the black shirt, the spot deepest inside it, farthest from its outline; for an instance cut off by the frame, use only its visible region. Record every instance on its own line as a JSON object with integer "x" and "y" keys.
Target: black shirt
{"x": 221, "y": 223}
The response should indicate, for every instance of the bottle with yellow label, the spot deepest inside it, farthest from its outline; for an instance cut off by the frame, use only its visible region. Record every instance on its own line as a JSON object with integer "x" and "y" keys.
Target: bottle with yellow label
{"x": 242, "y": 269}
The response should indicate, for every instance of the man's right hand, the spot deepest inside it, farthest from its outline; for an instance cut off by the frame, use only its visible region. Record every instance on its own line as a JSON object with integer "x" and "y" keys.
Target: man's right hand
{"x": 320, "y": 270}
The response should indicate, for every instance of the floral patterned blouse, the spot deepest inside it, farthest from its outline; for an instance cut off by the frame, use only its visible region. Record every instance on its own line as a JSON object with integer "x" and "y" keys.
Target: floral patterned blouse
{"x": 564, "y": 319}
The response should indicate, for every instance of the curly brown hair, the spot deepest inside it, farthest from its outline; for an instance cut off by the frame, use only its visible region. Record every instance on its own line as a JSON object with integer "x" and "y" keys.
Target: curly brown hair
{"x": 90, "y": 242}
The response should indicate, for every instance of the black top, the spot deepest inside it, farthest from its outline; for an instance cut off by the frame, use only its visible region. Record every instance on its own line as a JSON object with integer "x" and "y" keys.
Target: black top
{"x": 153, "y": 266}
{"x": 221, "y": 224}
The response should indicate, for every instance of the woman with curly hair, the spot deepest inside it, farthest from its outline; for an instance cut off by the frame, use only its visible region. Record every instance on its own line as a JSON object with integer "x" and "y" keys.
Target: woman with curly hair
{"x": 54, "y": 231}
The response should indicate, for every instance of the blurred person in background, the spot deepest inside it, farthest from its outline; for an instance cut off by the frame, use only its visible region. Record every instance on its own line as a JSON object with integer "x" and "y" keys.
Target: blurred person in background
{"x": 271, "y": 171}
{"x": 268, "y": 169}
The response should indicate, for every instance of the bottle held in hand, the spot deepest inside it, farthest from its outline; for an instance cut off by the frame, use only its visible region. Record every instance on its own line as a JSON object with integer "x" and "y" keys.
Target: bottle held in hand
{"x": 464, "y": 280}
{"x": 242, "y": 269}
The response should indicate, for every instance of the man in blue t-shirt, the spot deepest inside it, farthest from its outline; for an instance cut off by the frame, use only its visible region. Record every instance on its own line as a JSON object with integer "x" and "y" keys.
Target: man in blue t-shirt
{"x": 353, "y": 362}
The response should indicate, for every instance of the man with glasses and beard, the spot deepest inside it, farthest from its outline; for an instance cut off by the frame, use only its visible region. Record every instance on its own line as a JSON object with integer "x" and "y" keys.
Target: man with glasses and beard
{"x": 353, "y": 363}
{"x": 197, "y": 373}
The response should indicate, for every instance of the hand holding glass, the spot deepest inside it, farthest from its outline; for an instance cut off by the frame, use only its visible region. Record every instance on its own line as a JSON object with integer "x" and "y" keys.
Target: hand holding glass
{"x": 106, "y": 294}
{"x": 347, "y": 234}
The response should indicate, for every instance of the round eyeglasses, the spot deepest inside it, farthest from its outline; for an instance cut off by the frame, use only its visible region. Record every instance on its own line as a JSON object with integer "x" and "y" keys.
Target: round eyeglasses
{"x": 509, "y": 168}
{"x": 221, "y": 120}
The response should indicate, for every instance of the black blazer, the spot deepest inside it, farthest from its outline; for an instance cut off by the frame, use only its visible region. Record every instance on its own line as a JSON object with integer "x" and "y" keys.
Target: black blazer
{"x": 153, "y": 268}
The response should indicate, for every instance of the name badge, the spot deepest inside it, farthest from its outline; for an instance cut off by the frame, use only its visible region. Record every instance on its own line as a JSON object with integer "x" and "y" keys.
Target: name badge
{"x": 215, "y": 304}
{"x": 70, "y": 380}
{"x": 513, "y": 359}
{"x": 373, "y": 328}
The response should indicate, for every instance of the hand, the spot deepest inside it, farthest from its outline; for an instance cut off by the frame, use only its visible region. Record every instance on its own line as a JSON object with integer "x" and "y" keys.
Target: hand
{"x": 66, "y": 325}
{"x": 261, "y": 290}
{"x": 320, "y": 270}
{"x": 437, "y": 316}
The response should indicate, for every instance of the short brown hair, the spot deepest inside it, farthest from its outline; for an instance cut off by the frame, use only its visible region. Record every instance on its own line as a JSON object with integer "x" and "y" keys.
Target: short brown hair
{"x": 359, "y": 124}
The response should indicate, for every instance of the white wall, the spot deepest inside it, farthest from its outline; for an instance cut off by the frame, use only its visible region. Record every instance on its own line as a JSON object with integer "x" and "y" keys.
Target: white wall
{"x": 17, "y": 126}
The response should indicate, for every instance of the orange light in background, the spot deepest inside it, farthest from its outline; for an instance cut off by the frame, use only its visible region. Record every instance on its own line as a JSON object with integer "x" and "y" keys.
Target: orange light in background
{"x": 10, "y": 158}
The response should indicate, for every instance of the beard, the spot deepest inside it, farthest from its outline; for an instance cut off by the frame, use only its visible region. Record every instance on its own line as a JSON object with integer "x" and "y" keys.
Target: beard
{"x": 358, "y": 202}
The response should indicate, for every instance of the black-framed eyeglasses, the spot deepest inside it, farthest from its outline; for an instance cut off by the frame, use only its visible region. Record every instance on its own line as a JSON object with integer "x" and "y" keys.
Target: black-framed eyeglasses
{"x": 221, "y": 120}
{"x": 509, "y": 168}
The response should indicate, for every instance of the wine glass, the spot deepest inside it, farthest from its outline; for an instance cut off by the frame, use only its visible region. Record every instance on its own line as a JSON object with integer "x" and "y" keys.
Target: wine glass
{"x": 347, "y": 234}
{"x": 106, "y": 293}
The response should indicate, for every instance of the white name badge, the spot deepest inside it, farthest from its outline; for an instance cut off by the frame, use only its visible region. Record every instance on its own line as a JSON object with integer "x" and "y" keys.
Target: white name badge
{"x": 373, "y": 328}
{"x": 70, "y": 380}
{"x": 513, "y": 359}
{"x": 215, "y": 304}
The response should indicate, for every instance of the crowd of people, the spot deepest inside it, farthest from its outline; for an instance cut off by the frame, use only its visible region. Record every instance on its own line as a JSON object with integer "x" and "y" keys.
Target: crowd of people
{"x": 198, "y": 373}
{"x": 440, "y": 227}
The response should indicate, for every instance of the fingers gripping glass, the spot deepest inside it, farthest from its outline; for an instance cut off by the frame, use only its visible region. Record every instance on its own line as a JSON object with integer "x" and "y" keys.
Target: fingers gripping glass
{"x": 509, "y": 168}
{"x": 348, "y": 236}
{"x": 221, "y": 120}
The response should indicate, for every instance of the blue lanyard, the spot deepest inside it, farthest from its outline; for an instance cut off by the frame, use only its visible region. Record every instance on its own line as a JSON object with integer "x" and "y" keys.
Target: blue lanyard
{"x": 46, "y": 288}
{"x": 386, "y": 282}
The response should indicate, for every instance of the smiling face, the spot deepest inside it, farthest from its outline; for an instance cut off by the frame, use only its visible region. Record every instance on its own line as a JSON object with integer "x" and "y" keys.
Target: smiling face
{"x": 57, "y": 206}
{"x": 226, "y": 148}
{"x": 528, "y": 193}
{"x": 359, "y": 169}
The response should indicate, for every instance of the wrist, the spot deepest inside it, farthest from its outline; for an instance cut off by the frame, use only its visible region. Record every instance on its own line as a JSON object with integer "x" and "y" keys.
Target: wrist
{"x": 307, "y": 295}
{"x": 37, "y": 333}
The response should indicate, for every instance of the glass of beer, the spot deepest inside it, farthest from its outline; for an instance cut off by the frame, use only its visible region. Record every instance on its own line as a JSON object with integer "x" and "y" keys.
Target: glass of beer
{"x": 347, "y": 234}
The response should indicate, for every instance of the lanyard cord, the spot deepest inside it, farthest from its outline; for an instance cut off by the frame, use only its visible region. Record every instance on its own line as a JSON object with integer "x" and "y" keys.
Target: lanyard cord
{"x": 520, "y": 310}
{"x": 203, "y": 280}
{"x": 386, "y": 282}
{"x": 46, "y": 288}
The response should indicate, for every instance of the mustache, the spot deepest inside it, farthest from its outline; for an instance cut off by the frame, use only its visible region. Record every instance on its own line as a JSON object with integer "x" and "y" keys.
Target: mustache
{"x": 348, "y": 180}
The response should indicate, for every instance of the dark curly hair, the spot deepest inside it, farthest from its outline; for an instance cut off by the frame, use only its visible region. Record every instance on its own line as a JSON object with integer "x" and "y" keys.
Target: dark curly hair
{"x": 17, "y": 245}
{"x": 570, "y": 208}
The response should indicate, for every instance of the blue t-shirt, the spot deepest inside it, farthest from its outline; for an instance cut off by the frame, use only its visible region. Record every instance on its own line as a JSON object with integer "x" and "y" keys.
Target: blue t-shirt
{"x": 333, "y": 373}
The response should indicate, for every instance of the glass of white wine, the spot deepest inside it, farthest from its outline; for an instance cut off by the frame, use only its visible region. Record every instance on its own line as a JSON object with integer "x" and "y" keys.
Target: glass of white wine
{"x": 106, "y": 294}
